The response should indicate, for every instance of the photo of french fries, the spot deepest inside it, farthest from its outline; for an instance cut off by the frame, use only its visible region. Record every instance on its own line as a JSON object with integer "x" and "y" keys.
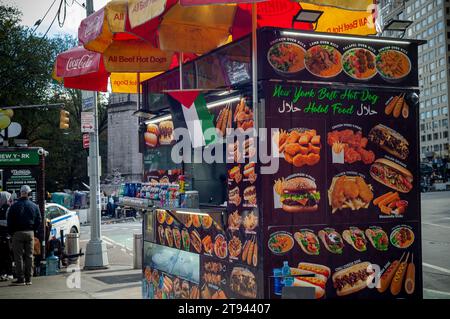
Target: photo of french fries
{"x": 391, "y": 204}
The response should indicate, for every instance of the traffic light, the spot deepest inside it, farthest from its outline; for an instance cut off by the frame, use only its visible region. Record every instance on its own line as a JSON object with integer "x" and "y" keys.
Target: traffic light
{"x": 64, "y": 120}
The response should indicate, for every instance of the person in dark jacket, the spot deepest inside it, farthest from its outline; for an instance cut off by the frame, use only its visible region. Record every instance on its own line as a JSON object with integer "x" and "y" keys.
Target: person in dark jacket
{"x": 24, "y": 219}
{"x": 5, "y": 238}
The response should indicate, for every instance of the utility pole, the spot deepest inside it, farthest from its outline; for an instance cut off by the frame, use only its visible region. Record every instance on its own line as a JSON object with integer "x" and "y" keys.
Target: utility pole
{"x": 96, "y": 255}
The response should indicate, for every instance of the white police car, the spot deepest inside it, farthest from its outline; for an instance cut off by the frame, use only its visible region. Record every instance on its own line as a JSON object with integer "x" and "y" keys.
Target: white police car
{"x": 62, "y": 219}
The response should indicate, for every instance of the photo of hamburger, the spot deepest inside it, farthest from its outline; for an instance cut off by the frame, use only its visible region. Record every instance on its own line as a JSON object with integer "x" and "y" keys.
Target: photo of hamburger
{"x": 166, "y": 132}
{"x": 152, "y": 135}
{"x": 298, "y": 194}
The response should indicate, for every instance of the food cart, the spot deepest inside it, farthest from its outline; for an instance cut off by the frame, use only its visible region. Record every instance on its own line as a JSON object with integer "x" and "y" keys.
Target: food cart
{"x": 332, "y": 211}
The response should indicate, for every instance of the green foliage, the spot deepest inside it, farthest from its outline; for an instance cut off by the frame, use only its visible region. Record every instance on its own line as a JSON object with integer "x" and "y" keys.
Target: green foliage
{"x": 26, "y": 65}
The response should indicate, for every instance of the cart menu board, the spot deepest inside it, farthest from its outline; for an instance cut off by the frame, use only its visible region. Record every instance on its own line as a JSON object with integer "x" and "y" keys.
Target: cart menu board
{"x": 345, "y": 202}
{"x": 322, "y": 57}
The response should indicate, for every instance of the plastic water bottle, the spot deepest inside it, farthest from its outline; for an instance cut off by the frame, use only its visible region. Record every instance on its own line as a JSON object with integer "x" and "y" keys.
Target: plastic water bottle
{"x": 286, "y": 272}
{"x": 52, "y": 264}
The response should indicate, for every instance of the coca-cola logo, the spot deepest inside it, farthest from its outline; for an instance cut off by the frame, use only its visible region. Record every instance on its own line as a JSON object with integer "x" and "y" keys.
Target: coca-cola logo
{"x": 80, "y": 63}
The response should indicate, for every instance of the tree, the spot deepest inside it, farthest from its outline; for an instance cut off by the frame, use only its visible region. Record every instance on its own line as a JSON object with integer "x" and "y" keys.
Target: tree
{"x": 26, "y": 64}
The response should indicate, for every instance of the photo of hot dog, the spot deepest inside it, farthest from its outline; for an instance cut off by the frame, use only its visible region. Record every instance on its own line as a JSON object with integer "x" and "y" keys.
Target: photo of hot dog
{"x": 249, "y": 172}
{"x": 392, "y": 175}
{"x": 317, "y": 283}
{"x": 315, "y": 268}
{"x": 311, "y": 275}
{"x": 249, "y": 169}
{"x": 352, "y": 279}
{"x": 388, "y": 274}
{"x": 410, "y": 281}
{"x": 234, "y": 174}
{"x": 397, "y": 281}
{"x": 390, "y": 141}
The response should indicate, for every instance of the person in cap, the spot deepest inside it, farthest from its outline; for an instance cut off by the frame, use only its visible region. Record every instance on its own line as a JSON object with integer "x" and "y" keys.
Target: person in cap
{"x": 24, "y": 219}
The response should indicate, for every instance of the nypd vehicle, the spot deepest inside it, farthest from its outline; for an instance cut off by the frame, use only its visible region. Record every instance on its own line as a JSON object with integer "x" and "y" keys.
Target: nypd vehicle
{"x": 61, "y": 219}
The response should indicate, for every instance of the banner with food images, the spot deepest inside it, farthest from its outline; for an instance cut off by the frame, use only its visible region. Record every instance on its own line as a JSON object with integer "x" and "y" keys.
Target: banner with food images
{"x": 243, "y": 224}
{"x": 345, "y": 200}
{"x": 321, "y": 58}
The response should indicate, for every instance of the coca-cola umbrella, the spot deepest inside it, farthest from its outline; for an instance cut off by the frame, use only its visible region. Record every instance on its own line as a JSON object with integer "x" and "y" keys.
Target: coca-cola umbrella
{"x": 82, "y": 69}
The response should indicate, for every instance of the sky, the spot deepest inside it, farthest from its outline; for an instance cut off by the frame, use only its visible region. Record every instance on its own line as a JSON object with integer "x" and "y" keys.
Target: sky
{"x": 33, "y": 10}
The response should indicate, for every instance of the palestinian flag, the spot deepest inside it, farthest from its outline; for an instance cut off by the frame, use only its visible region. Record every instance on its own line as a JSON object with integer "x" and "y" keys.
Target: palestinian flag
{"x": 197, "y": 117}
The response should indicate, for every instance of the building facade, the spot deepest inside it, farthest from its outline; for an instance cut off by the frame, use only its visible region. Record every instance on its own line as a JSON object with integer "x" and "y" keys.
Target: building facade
{"x": 431, "y": 22}
{"x": 124, "y": 159}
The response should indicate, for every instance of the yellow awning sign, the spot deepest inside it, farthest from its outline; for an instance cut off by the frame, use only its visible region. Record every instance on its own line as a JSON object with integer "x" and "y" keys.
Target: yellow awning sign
{"x": 127, "y": 82}
{"x": 358, "y": 5}
{"x": 335, "y": 20}
{"x": 135, "y": 56}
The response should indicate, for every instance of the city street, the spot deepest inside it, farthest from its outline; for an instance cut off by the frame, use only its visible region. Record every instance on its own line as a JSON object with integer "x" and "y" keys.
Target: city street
{"x": 119, "y": 241}
{"x": 436, "y": 244}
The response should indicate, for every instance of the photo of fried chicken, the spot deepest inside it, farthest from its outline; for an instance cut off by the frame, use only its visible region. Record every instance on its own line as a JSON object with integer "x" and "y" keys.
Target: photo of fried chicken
{"x": 300, "y": 146}
{"x": 349, "y": 192}
{"x": 354, "y": 145}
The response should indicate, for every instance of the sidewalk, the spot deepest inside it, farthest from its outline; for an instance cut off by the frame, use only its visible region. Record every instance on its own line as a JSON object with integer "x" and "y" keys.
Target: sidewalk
{"x": 117, "y": 282}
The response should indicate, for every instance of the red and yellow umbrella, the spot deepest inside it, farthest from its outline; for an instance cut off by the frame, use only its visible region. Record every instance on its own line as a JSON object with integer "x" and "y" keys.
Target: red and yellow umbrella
{"x": 192, "y": 26}
{"x": 82, "y": 69}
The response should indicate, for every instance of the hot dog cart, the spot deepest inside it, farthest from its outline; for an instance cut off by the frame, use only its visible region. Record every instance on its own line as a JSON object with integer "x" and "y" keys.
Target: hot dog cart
{"x": 324, "y": 203}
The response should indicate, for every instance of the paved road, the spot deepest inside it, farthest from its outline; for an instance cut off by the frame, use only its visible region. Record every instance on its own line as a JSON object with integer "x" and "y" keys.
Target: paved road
{"x": 436, "y": 244}
{"x": 118, "y": 239}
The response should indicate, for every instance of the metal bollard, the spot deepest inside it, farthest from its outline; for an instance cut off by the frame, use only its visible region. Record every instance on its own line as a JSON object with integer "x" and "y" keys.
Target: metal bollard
{"x": 137, "y": 251}
{"x": 73, "y": 246}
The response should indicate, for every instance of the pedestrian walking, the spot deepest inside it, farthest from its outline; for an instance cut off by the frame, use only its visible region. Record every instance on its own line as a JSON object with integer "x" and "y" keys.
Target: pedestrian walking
{"x": 5, "y": 238}
{"x": 24, "y": 219}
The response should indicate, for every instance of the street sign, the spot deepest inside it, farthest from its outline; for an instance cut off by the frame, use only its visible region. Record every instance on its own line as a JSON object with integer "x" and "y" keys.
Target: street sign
{"x": 19, "y": 157}
{"x": 85, "y": 140}
{"x": 87, "y": 100}
{"x": 87, "y": 122}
